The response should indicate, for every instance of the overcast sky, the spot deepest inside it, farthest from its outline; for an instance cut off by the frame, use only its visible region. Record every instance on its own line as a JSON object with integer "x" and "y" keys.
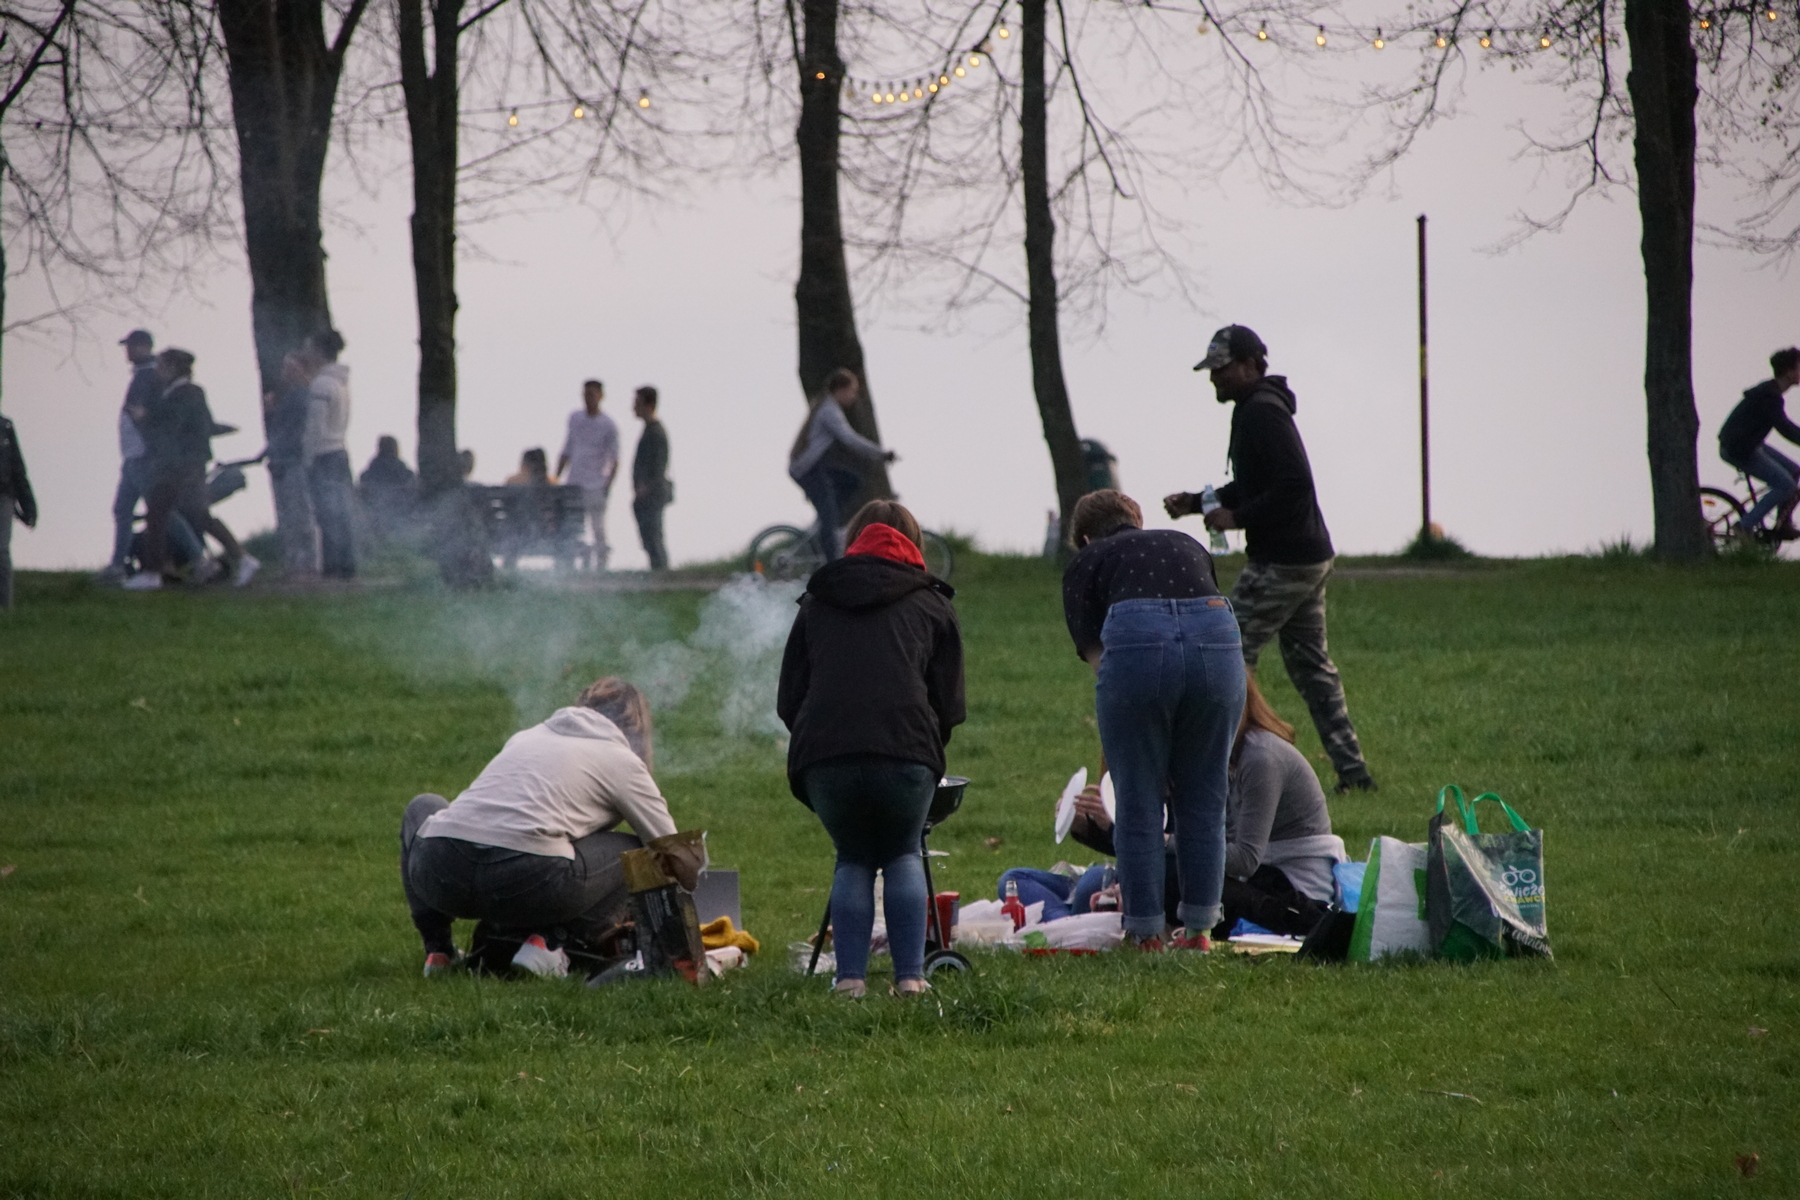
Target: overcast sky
{"x": 1538, "y": 427}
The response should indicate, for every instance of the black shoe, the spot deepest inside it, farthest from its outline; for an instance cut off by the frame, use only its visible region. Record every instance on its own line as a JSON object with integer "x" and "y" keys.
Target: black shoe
{"x": 1363, "y": 782}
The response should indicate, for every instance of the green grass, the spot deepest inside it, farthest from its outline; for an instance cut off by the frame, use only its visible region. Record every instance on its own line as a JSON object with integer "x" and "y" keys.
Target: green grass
{"x": 209, "y": 987}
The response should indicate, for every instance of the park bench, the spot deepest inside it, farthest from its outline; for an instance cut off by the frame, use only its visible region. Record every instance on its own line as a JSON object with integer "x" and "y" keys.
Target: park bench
{"x": 534, "y": 519}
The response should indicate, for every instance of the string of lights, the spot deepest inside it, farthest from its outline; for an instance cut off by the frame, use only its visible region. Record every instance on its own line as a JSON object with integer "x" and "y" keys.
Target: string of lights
{"x": 910, "y": 86}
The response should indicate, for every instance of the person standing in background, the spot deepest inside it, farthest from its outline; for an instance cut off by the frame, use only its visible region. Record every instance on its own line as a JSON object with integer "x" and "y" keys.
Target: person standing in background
{"x": 651, "y": 490}
{"x": 15, "y": 498}
{"x": 284, "y": 417}
{"x": 328, "y": 477}
{"x": 589, "y": 460}
{"x": 1281, "y": 590}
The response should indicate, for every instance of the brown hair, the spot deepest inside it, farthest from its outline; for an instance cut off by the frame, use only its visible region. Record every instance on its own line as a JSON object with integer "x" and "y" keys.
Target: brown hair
{"x": 624, "y": 706}
{"x": 885, "y": 512}
{"x": 179, "y": 361}
{"x": 1258, "y": 715}
{"x": 1099, "y": 513}
{"x": 841, "y": 378}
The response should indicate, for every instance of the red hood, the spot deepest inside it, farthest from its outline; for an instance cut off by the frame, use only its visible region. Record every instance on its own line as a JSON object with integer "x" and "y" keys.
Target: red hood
{"x": 884, "y": 541}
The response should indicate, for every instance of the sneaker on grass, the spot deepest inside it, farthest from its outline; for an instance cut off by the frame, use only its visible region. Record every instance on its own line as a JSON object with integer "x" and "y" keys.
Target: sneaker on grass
{"x": 247, "y": 567}
{"x": 143, "y": 581}
{"x": 536, "y": 956}
{"x": 439, "y": 963}
{"x": 1198, "y": 941}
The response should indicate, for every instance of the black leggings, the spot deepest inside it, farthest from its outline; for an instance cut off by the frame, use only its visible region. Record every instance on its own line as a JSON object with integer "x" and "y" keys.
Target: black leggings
{"x": 580, "y": 899}
{"x": 1269, "y": 900}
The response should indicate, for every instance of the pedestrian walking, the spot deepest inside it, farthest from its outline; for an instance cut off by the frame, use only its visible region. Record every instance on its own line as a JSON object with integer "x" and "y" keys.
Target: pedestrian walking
{"x": 284, "y": 418}
{"x": 589, "y": 460}
{"x": 328, "y": 480}
{"x": 140, "y": 353}
{"x": 829, "y": 458}
{"x": 178, "y": 427}
{"x": 1281, "y": 591}
{"x": 651, "y": 490}
{"x": 15, "y": 500}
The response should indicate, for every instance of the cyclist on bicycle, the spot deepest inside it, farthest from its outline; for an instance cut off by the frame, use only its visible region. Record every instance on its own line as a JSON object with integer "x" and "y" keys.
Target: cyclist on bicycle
{"x": 1741, "y": 441}
{"x": 828, "y": 456}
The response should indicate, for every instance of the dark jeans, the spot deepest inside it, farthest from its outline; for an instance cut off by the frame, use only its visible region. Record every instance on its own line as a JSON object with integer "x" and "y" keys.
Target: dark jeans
{"x": 6, "y": 574}
{"x": 649, "y": 515}
{"x": 180, "y": 490}
{"x": 134, "y": 483}
{"x": 874, "y": 809}
{"x": 1060, "y": 895}
{"x": 328, "y": 480}
{"x": 1773, "y": 468}
{"x": 1269, "y": 900}
{"x": 830, "y": 489}
{"x": 582, "y": 898}
{"x": 1167, "y": 699}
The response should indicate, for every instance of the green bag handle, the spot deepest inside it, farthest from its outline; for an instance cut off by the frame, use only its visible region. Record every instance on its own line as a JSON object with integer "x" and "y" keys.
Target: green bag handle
{"x": 1467, "y": 808}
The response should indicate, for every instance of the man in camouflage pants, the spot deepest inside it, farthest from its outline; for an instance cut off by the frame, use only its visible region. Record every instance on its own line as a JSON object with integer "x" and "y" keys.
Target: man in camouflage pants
{"x": 1282, "y": 588}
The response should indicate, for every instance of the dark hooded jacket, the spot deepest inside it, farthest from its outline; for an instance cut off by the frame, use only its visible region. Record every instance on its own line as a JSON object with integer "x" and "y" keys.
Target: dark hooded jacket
{"x": 874, "y": 665}
{"x": 1271, "y": 493}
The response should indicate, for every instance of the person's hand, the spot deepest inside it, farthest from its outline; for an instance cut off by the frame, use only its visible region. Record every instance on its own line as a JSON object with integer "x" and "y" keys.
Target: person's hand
{"x": 1089, "y": 805}
{"x": 890, "y": 456}
{"x": 1178, "y": 504}
{"x": 1105, "y": 900}
{"x": 1221, "y": 518}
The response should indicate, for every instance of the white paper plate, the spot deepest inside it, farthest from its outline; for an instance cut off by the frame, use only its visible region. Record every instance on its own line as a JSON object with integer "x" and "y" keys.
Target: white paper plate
{"x": 1065, "y": 807}
{"x": 1107, "y": 798}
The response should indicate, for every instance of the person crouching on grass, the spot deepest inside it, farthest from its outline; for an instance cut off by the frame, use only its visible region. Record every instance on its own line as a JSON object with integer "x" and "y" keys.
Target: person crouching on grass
{"x": 871, "y": 687}
{"x": 1144, "y": 609}
{"x": 532, "y": 845}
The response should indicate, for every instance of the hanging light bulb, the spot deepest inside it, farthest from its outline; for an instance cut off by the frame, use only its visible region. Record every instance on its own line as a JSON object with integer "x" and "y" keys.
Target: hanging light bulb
{"x": 959, "y": 72}
{"x": 1487, "y": 39}
{"x": 889, "y": 97}
{"x": 1705, "y": 21}
{"x": 1441, "y": 41}
{"x": 819, "y": 75}
{"x": 875, "y": 98}
{"x": 1380, "y": 42}
{"x": 943, "y": 81}
{"x": 1320, "y": 40}
{"x": 1772, "y": 14}
{"x": 512, "y": 118}
{"x": 918, "y": 92}
{"x": 932, "y": 88}
{"x": 1003, "y": 31}
{"x": 906, "y": 95}
{"x": 974, "y": 60}
{"x": 1204, "y": 28}
{"x": 580, "y": 112}
{"x": 1544, "y": 42}
{"x": 643, "y": 97}
{"x": 1262, "y": 35}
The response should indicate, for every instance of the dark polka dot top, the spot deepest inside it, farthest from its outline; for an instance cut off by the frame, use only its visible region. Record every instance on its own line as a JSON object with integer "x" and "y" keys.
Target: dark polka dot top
{"x": 1131, "y": 564}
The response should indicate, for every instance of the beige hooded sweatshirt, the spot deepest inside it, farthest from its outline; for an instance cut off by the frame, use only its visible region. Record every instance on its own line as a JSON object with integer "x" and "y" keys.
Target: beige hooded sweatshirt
{"x": 553, "y": 783}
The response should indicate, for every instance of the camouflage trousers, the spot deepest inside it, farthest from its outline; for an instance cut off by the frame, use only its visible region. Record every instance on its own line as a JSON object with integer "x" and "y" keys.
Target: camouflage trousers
{"x": 1273, "y": 599}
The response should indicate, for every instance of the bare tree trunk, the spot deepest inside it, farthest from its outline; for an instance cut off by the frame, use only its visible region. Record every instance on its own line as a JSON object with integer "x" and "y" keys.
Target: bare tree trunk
{"x": 1040, "y": 268}
{"x": 284, "y": 79}
{"x": 431, "y": 96}
{"x": 1664, "y": 93}
{"x": 822, "y": 298}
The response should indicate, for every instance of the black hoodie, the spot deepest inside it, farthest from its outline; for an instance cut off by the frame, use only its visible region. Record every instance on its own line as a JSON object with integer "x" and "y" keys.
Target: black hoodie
{"x": 874, "y": 665}
{"x": 1271, "y": 493}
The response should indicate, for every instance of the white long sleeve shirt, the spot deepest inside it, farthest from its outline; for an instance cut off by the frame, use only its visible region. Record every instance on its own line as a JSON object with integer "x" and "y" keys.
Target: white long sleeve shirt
{"x": 327, "y": 411}
{"x": 592, "y": 448}
{"x": 553, "y": 783}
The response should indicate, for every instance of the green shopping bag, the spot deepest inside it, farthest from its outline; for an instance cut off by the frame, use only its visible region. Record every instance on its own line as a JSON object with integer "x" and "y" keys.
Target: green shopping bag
{"x": 1484, "y": 892}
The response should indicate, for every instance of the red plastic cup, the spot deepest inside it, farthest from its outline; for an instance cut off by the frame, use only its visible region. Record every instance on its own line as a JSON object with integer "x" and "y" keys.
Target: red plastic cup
{"x": 946, "y": 915}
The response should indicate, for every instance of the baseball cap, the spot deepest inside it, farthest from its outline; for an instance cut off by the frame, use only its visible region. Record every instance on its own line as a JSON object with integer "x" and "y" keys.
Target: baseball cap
{"x": 138, "y": 335}
{"x": 1230, "y": 344}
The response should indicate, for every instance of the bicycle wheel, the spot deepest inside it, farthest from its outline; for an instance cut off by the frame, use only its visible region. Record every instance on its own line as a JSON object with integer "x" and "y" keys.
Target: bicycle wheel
{"x": 1721, "y": 511}
{"x": 940, "y": 560}
{"x": 783, "y": 552}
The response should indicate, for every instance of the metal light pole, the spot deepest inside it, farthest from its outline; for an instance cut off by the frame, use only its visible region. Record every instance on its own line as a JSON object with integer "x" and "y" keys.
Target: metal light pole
{"x": 1424, "y": 402}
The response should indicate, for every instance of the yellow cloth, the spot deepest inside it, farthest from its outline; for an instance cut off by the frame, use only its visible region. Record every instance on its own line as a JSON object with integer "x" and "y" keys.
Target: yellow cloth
{"x": 715, "y": 934}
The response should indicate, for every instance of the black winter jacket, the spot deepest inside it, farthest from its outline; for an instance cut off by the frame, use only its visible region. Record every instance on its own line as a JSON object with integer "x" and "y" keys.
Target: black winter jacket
{"x": 1271, "y": 493}
{"x": 874, "y": 665}
{"x": 1758, "y": 414}
{"x": 15, "y": 484}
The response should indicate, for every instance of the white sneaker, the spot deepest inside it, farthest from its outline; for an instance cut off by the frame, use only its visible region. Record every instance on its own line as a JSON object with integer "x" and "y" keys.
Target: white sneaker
{"x": 208, "y": 570}
{"x": 248, "y": 566}
{"x": 537, "y": 957}
{"x": 143, "y": 581}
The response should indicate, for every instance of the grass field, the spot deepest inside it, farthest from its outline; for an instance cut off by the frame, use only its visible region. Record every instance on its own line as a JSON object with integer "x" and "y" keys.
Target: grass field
{"x": 209, "y": 986}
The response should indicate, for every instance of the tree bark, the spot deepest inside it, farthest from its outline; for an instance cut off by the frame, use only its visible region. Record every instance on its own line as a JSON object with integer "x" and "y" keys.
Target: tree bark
{"x": 284, "y": 80}
{"x": 430, "y": 87}
{"x": 1664, "y": 91}
{"x": 822, "y": 297}
{"x": 1040, "y": 268}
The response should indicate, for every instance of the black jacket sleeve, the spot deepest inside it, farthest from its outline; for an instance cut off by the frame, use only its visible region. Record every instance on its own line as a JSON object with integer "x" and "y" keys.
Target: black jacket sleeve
{"x": 1285, "y": 482}
{"x": 1092, "y": 836}
{"x": 12, "y": 472}
{"x": 796, "y": 673}
{"x": 944, "y": 676}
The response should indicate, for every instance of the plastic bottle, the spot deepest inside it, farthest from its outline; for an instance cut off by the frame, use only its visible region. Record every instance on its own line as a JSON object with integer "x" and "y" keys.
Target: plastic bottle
{"x": 1011, "y": 906}
{"x": 1209, "y": 500}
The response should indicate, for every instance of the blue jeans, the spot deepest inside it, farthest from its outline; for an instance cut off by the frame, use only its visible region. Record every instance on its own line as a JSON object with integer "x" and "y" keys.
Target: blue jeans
{"x": 1060, "y": 895}
{"x": 1168, "y": 698}
{"x": 1775, "y": 469}
{"x": 333, "y": 493}
{"x": 134, "y": 483}
{"x": 830, "y": 489}
{"x": 874, "y": 809}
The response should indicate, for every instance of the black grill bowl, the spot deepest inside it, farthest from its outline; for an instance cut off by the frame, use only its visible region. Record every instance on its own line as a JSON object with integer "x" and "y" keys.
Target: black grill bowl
{"x": 947, "y": 800}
